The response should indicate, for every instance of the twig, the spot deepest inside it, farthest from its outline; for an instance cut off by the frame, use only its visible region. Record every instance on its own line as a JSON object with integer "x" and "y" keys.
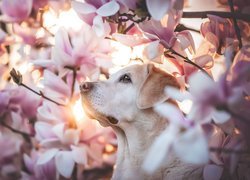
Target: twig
{"x": 227, "y": 150}
{"x": 17, "y": 78}
{"x": 203, "y": 14}
{"x": 24, "y": 134}
{"x": 182, "y": 27}
{"x": 128, "y": 28}
{"x": 187, "y": 60}
{"x": 236, "y": 27}
{"x": 73, "y": 83}
{"x": 236, "y": 115}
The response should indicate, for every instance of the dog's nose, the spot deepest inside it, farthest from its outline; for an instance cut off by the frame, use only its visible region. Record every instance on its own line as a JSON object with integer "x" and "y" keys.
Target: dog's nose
{"x": 86, "y": 86}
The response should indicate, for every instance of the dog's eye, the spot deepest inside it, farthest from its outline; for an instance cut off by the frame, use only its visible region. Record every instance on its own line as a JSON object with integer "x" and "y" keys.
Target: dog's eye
{"x": 125, "y": 79}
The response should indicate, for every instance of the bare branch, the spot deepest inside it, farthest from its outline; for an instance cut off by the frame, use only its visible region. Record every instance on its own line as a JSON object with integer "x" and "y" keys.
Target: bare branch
{"x": 203, "y": 14}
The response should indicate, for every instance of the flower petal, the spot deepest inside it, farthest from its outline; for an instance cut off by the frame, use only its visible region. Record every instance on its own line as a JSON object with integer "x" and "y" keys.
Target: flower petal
{"x": 160, "y": 149}
{"x": 83, "y": 8}
{"x": 192, "y": 146}
{"x": 220, "y": 117}
{"x": 98, "y": 26}
{"x": 65, "y": 163}
{"x": 212, "y": 172}
{"x": 79, "y": 155}
{"x": 108, "y": 9}
{"x": 170, "y": 112}
{"x": 158, "y": 8}
{"x": 47, "y": 156}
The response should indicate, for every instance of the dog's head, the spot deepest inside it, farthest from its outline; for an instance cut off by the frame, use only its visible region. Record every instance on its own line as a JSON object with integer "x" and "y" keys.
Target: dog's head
{"x": 126, "y": 94}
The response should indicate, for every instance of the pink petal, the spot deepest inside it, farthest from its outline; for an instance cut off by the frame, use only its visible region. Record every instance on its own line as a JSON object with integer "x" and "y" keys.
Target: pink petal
{"x": 130, "y": 40}
{"x": 45, "y": 113}
{"x": 192, "y": 146}
{"x": 206, "y": 61}
{"x": 195, "y": 82}
{"x": 152, "y": 50}
{"x": 16, "y": 9}
{"x": 212, "y": 172}
{"x": 169, "y": 111}
{"x": 56, "y": 84}
{"x": 220, "y": 117}
{"x": 2, "y": 36}
{"x": 158, "y": 8}
{"x": 216, "y": 139}
{"x": 108, "y": 9}
{"x": 43, "y": 130}
{"x": 28, "y": 162}
{"x": 63, "y": 42}
{"x": 59, "y": 130}
{"x": 47, "y": 156}
{"x": 83, "y": 8}
{"x": 71, "y": 136}
{"x": 64, "y": 163}
{"x": 160, "y": 149}
{"x": 98, "y": 26}
{"x": 177, "y": 94}
{"x": 79, "y": 155}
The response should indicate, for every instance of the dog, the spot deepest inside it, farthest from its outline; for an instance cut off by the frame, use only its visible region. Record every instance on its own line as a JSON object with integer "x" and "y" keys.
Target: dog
{"x": 125, "y": 102}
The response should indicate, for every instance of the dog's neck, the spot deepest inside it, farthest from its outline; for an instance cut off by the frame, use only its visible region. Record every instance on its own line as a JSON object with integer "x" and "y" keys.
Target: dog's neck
{"x": 134, "y": 140}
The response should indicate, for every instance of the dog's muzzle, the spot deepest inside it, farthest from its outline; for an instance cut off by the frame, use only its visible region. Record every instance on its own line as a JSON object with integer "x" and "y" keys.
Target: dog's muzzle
{"x": 86, "y": 87}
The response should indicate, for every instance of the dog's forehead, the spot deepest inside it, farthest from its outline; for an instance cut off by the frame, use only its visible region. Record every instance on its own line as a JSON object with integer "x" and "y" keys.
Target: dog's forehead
{"x": 133, "y": 70}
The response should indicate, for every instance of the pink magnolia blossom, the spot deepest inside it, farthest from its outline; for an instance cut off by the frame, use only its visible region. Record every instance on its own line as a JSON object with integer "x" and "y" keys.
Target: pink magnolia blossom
{"x": 157, "y": 9}
{"x": 209, "y": 106}
{"x": 93, "y": 12}
{"x": 34, "y": 171}
{"x": 80, "y": 50}
{"x": 16, "y": 10}
{"x": 3, "y": 36}
{"x": 190, "y": 146}
{"x": 17, "y": 107}
{"x": 9, "y": 157}
{"x": 219, "y": 32}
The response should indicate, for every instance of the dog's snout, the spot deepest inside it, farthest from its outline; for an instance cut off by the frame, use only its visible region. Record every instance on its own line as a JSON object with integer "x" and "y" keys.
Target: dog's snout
{"x": 86, "y": 86}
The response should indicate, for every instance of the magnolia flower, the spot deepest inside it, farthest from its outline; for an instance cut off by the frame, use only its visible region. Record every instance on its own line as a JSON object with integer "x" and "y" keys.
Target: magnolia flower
{"x": 218, "y": 31}
{"x": 15, "y": 10}
{"x": 190, "y": 145}
{"x": 93, "y": 12}
{"x": 80, "y": 50}
{"x": 45, "y": 171}
{"x": 17, "y": 106}
{"x": 9, "y": 155}
{"x": 208, "y": 99}
{"x": 61, "y": 143}
{"x": 157, "y": 8}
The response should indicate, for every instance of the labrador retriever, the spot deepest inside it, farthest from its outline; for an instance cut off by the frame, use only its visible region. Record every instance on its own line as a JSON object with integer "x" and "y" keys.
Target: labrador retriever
{"x": 125, "y": 103}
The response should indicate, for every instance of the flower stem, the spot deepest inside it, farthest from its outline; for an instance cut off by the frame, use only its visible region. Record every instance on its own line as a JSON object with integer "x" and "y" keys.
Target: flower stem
{"x": 18, "y": 78}
{"x": 25, "y": 135}
{"x": 42, "y": 95}
{"x": 236, "y": 27}
{"x": 128, "y": 28}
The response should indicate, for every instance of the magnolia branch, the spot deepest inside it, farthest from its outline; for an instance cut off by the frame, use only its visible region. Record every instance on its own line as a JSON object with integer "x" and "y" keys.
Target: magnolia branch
{"x": 74, "y": 71}
{"x": 236, "y": 27}
{"x": 227, "y": 150}
{"x": 17, "y": 78}
{"x": 204, "y": 14}
{"x": 24, "y": 134}
{"x": 186, "y": 59}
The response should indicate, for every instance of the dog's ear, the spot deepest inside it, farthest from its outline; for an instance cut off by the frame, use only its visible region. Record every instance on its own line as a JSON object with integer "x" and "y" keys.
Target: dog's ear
{"x": 152, "y": 89}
